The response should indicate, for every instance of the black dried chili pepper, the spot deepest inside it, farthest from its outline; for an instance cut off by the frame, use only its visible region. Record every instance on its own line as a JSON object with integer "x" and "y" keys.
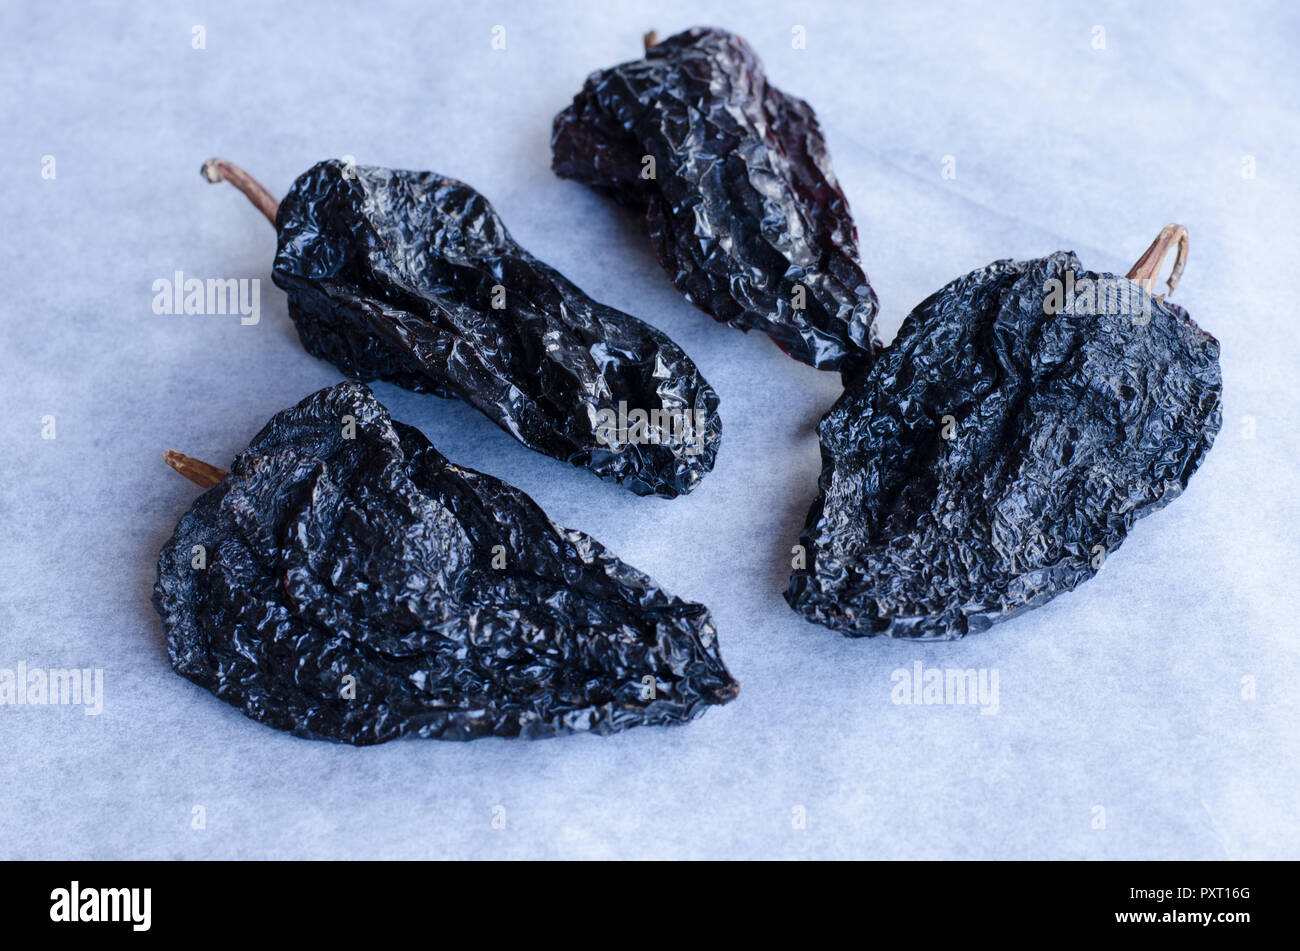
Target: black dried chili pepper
{"x": 735, "y": 182}
{"x": 1025, "y": 417}
{"x": 344, "y": 581}
{"x": 411, "y": 277}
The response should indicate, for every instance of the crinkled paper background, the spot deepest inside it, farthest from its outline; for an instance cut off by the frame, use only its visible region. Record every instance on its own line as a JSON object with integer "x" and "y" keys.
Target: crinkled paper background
{"x": 1150, "y": 714}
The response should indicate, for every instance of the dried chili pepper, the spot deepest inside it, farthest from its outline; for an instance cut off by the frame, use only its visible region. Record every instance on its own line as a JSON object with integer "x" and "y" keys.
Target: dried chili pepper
{"x": 411, "y": 277}
{"x": 735, "y": 182}
{"x": 1025, "y": 417}
{"x": 344, "y": 581}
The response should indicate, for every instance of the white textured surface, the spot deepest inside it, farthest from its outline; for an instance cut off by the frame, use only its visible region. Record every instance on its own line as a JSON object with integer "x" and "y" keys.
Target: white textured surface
{"x": 1126, "y": 694}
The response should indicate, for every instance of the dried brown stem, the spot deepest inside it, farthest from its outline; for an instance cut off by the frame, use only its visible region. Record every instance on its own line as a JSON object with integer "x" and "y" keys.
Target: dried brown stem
{"x": 198, "y": 472}
{"x": 1147, "y": 268}
{"x": 216, "y": 169}
{"x": 650, "y": 39}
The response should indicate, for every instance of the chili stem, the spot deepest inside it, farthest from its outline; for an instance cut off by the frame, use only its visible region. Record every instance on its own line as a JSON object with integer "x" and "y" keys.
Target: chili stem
{"x": 1148, "y": 267}
{"x": 216, "y": 169}
{"x": 198, "y": 472}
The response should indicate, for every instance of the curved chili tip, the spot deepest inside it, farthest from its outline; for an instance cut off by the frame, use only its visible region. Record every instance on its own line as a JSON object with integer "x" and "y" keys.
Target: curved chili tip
{"x": 1147, "y": 268}
{"x": 218, "y": 169}
{"x": 200, "y": 473}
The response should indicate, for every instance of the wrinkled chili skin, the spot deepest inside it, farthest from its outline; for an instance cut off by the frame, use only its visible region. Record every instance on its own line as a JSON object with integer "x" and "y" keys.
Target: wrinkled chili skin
{"x": 743, "y": 205}
{"x": 370, "y": 562}
{"x": 411, "y": 277}
{"x": 1063, "y": 429}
